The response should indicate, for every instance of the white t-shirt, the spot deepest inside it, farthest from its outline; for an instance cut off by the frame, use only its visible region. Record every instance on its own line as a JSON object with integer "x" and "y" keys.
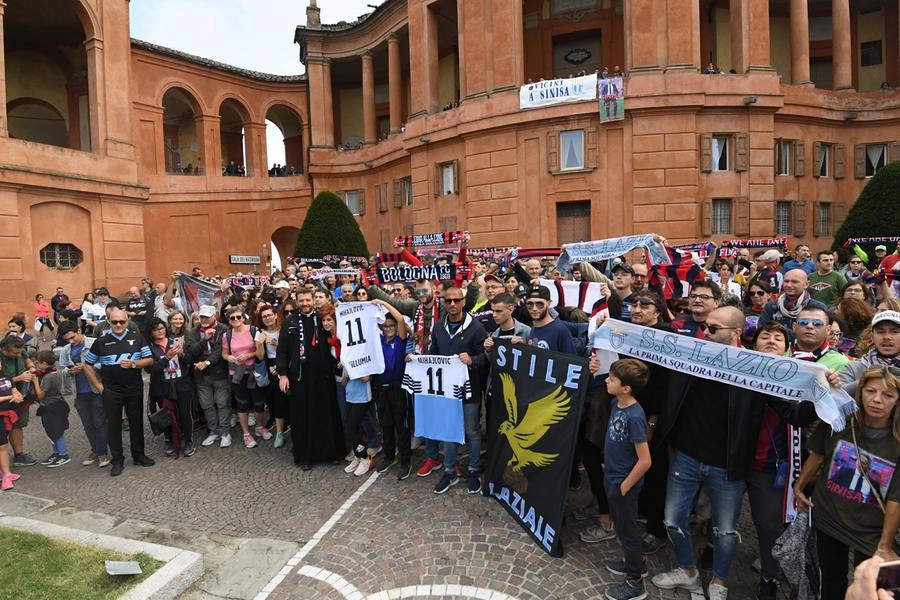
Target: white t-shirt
{"x": 357, "y": 329}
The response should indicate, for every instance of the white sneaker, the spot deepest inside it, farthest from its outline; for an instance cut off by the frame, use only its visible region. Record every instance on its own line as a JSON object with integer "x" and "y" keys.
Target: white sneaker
{"x": 210, "y": 439}
{"x": 677, "y": 578}
{"x": 251, "y": 419}
{"x": 263, "y": 433}
{"x": 249, "y": 442}
{"x": 365, "y": 465}
{"x": 225, "y": 441}
{"x": 717, "y": 592}
{"x": 353, "y": 464}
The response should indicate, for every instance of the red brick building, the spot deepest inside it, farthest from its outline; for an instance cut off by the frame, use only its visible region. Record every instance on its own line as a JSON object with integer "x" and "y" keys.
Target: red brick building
{"x": 113, "y": 151}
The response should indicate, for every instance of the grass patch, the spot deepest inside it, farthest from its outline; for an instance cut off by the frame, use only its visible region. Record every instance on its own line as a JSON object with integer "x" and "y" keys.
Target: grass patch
{"x": 37, "y": 567}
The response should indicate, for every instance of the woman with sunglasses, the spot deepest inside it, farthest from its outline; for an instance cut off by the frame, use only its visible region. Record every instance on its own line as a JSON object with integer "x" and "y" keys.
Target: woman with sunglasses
{"x": 241, "y": 348}
{"x": 855, "y": 493}
{"x": 170, "y": 387}
{"x": 269, "y": 324}
{"x": 758, "y": 295}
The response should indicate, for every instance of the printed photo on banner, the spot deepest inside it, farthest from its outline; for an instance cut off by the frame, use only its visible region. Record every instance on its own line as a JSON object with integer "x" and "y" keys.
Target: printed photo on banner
{"x": 536, "y": 399}
{"x": 612, "y": 99}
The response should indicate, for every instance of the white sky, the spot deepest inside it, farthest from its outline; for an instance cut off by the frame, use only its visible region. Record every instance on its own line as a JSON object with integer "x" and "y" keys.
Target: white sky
{"x": 251, "y": 34}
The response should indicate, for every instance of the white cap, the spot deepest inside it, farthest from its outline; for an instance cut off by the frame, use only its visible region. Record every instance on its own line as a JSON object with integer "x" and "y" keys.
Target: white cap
{"x": 282, "y": 285}
{"x": 886, "y": 315}
{"x": 770, "y": 256}
{"x": 207, "y": 310}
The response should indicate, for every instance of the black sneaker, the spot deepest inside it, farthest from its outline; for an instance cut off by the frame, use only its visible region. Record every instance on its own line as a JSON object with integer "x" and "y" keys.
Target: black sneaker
{"x": 60, "y": 461}
{"x": 385, "y": 463}
{"x": 189, "y": 450}
{"x": 767, "y": 590}
{"x": 474, "y": 483}
{"x": 24, "y": 460}
{"x": 448, "y": 480}
{"x": 170, "y": 451}
{"x": 629, "y": 589}
{"x": 617, "y": 567}
{"x": 404, "y": 472}
{"x": 49, "y": 460}
{"x": 144, "y": 461}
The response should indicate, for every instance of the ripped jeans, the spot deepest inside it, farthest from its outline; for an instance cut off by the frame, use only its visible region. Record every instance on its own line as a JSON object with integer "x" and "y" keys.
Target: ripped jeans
{"x": 686, "y": 476}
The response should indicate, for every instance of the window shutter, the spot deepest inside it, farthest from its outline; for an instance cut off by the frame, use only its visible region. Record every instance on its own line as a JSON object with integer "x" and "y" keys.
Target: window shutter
{"x": 838, "y": 161}
{"x": 552, "y": 151}
{"x": 838, "y": 214}
{"x": 799, "y": 218}
{"x": 398, "y": 193}
{"x": 742, "y": 216}
{"x": 455, "y": 180}
{"x": 817, "y": 158}
{"x": 894, "y": 153}
{"x": 740, "y": 152}
{"x": 706, "y": 152}
{"x": 590, "y": 148}
{"x": 382, "y": 197}
{"x": 799, "y": 158}
{"x": 362, "y": 202}
{"x": 385, "y": 239}
{"x": 438, "y": 188}
{"x": 859, "y": 161}
{"x": 706, "y": 218}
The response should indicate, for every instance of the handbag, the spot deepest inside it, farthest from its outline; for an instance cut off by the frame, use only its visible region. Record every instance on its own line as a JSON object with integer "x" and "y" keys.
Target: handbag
{"x": 160, "y": 421}
{"x": 261, "y": 373}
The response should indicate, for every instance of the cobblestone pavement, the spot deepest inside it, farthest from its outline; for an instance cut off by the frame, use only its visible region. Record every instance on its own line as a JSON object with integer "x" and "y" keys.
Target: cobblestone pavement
{"x": 396, "y": 534}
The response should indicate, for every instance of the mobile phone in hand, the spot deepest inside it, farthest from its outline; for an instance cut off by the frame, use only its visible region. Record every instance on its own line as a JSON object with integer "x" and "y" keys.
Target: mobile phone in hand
{"x": 889, "y": 576}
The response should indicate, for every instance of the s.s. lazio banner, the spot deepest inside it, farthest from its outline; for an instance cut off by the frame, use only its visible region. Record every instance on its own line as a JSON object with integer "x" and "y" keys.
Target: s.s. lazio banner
{"x": 536, "y": 401}
{"x": 770, "y": 374}
{"x": 558, "y": 91}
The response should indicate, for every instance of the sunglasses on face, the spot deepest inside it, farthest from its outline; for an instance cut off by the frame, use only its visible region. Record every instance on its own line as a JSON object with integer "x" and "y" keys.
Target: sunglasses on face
{"x": 758, "y": 293}
{"x": 535, "y": 305}
{"x": 236, "y": 318}
{"x": 454, "y": 300}
{"x": 713, "y": 329}
{"x": 117, "y": 322}
{"x": 421, "y": 292}
{"x": 644, "y": 302}
{"x": 817, "y": 323}
{"x": 855, "y": 262}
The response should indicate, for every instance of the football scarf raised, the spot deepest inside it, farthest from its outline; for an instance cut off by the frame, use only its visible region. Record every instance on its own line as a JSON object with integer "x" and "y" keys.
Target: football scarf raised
{"x": 536, "y": 403}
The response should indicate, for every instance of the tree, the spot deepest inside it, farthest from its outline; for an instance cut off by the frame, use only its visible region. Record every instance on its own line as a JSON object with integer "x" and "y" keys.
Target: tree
{"x": 329, "y": 228}
{"x": 877, "y": 210}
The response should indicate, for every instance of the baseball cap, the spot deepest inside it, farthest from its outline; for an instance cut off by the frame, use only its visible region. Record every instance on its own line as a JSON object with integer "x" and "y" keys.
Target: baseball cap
{"x": 282, "y": 285}
{"x": 770, "y": 256}
{"x": 624, "y": 267}
{"x": 881, "y": 247}
{"x": 492, "y": 278}
{"x": 887, "y": 315}
{"x": 521, "y": 290}
{"x": 538, "y": 291}
{"x": 207, "y": 310}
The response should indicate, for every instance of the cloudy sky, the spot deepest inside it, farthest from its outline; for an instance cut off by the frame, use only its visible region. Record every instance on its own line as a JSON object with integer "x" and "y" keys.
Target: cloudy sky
{"x": 253, "y": 34}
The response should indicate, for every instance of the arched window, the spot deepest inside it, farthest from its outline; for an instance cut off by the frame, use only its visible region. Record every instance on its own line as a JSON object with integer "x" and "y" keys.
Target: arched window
{"x": 46, "y": 74}
{"x": 284, "y": 135}
{"x": 180, "y": 133}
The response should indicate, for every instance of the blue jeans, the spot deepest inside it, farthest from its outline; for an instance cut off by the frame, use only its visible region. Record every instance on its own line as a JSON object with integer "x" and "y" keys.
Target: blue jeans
{"x": 686, "y": 476}
{"x": 93, "y": 418}
{"x": 60, "y": 448}
{"x": 473, "y": 440}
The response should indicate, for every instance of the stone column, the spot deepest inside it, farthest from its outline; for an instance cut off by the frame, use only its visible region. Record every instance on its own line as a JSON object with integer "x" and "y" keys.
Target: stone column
{"x": 759, "y": 53}
{"x": 318, "y": 71}
{"x": 642, "y": 36}
{"x": 255, "y": 149}
{"x": 840, "y": 44}
{"x": 207, "y": 132}
{"x": 395, "y": 83}
{"x": 368, "y": 99}
{"x": 506, "y": 37}
{"x": 682, "y": 34}
{"x": 800, "y": 43}
{"x": 4, "y": 130}
{"x": 96, "y": 98}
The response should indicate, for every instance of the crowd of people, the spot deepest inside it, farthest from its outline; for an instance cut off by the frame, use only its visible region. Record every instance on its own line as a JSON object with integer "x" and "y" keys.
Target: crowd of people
{"x": 266, "y": 365}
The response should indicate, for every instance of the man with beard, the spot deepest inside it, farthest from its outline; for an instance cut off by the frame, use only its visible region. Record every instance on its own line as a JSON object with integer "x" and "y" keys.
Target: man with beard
{"x": 885, "y": 350}
{"x": 793, "y": 299}
{"x": 546, "y": 332}
{"x": 305, "y": 370}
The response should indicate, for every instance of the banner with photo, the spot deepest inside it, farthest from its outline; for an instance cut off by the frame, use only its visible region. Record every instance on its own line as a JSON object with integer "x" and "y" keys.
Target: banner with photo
{"x": 196, "y": 292}
{"x": 611, "y": 92}
{"x": 558, "y": 91}
{"x": 536, "y": 402}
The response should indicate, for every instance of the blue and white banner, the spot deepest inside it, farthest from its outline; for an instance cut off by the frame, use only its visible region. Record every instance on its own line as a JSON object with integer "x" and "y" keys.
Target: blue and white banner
{"x": 781, "y": 376}
{"x": 558, "y": 91}
{"x": 611, "y": 248}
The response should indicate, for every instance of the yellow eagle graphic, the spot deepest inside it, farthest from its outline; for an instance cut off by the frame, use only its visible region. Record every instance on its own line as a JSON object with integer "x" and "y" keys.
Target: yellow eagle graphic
{"x": 541, "y": 414}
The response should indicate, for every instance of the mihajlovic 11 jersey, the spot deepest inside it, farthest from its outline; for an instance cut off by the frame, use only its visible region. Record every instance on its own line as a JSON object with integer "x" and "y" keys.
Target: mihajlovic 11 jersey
{"x": 357, "y": 329}
{"x": 439, "y": 385}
